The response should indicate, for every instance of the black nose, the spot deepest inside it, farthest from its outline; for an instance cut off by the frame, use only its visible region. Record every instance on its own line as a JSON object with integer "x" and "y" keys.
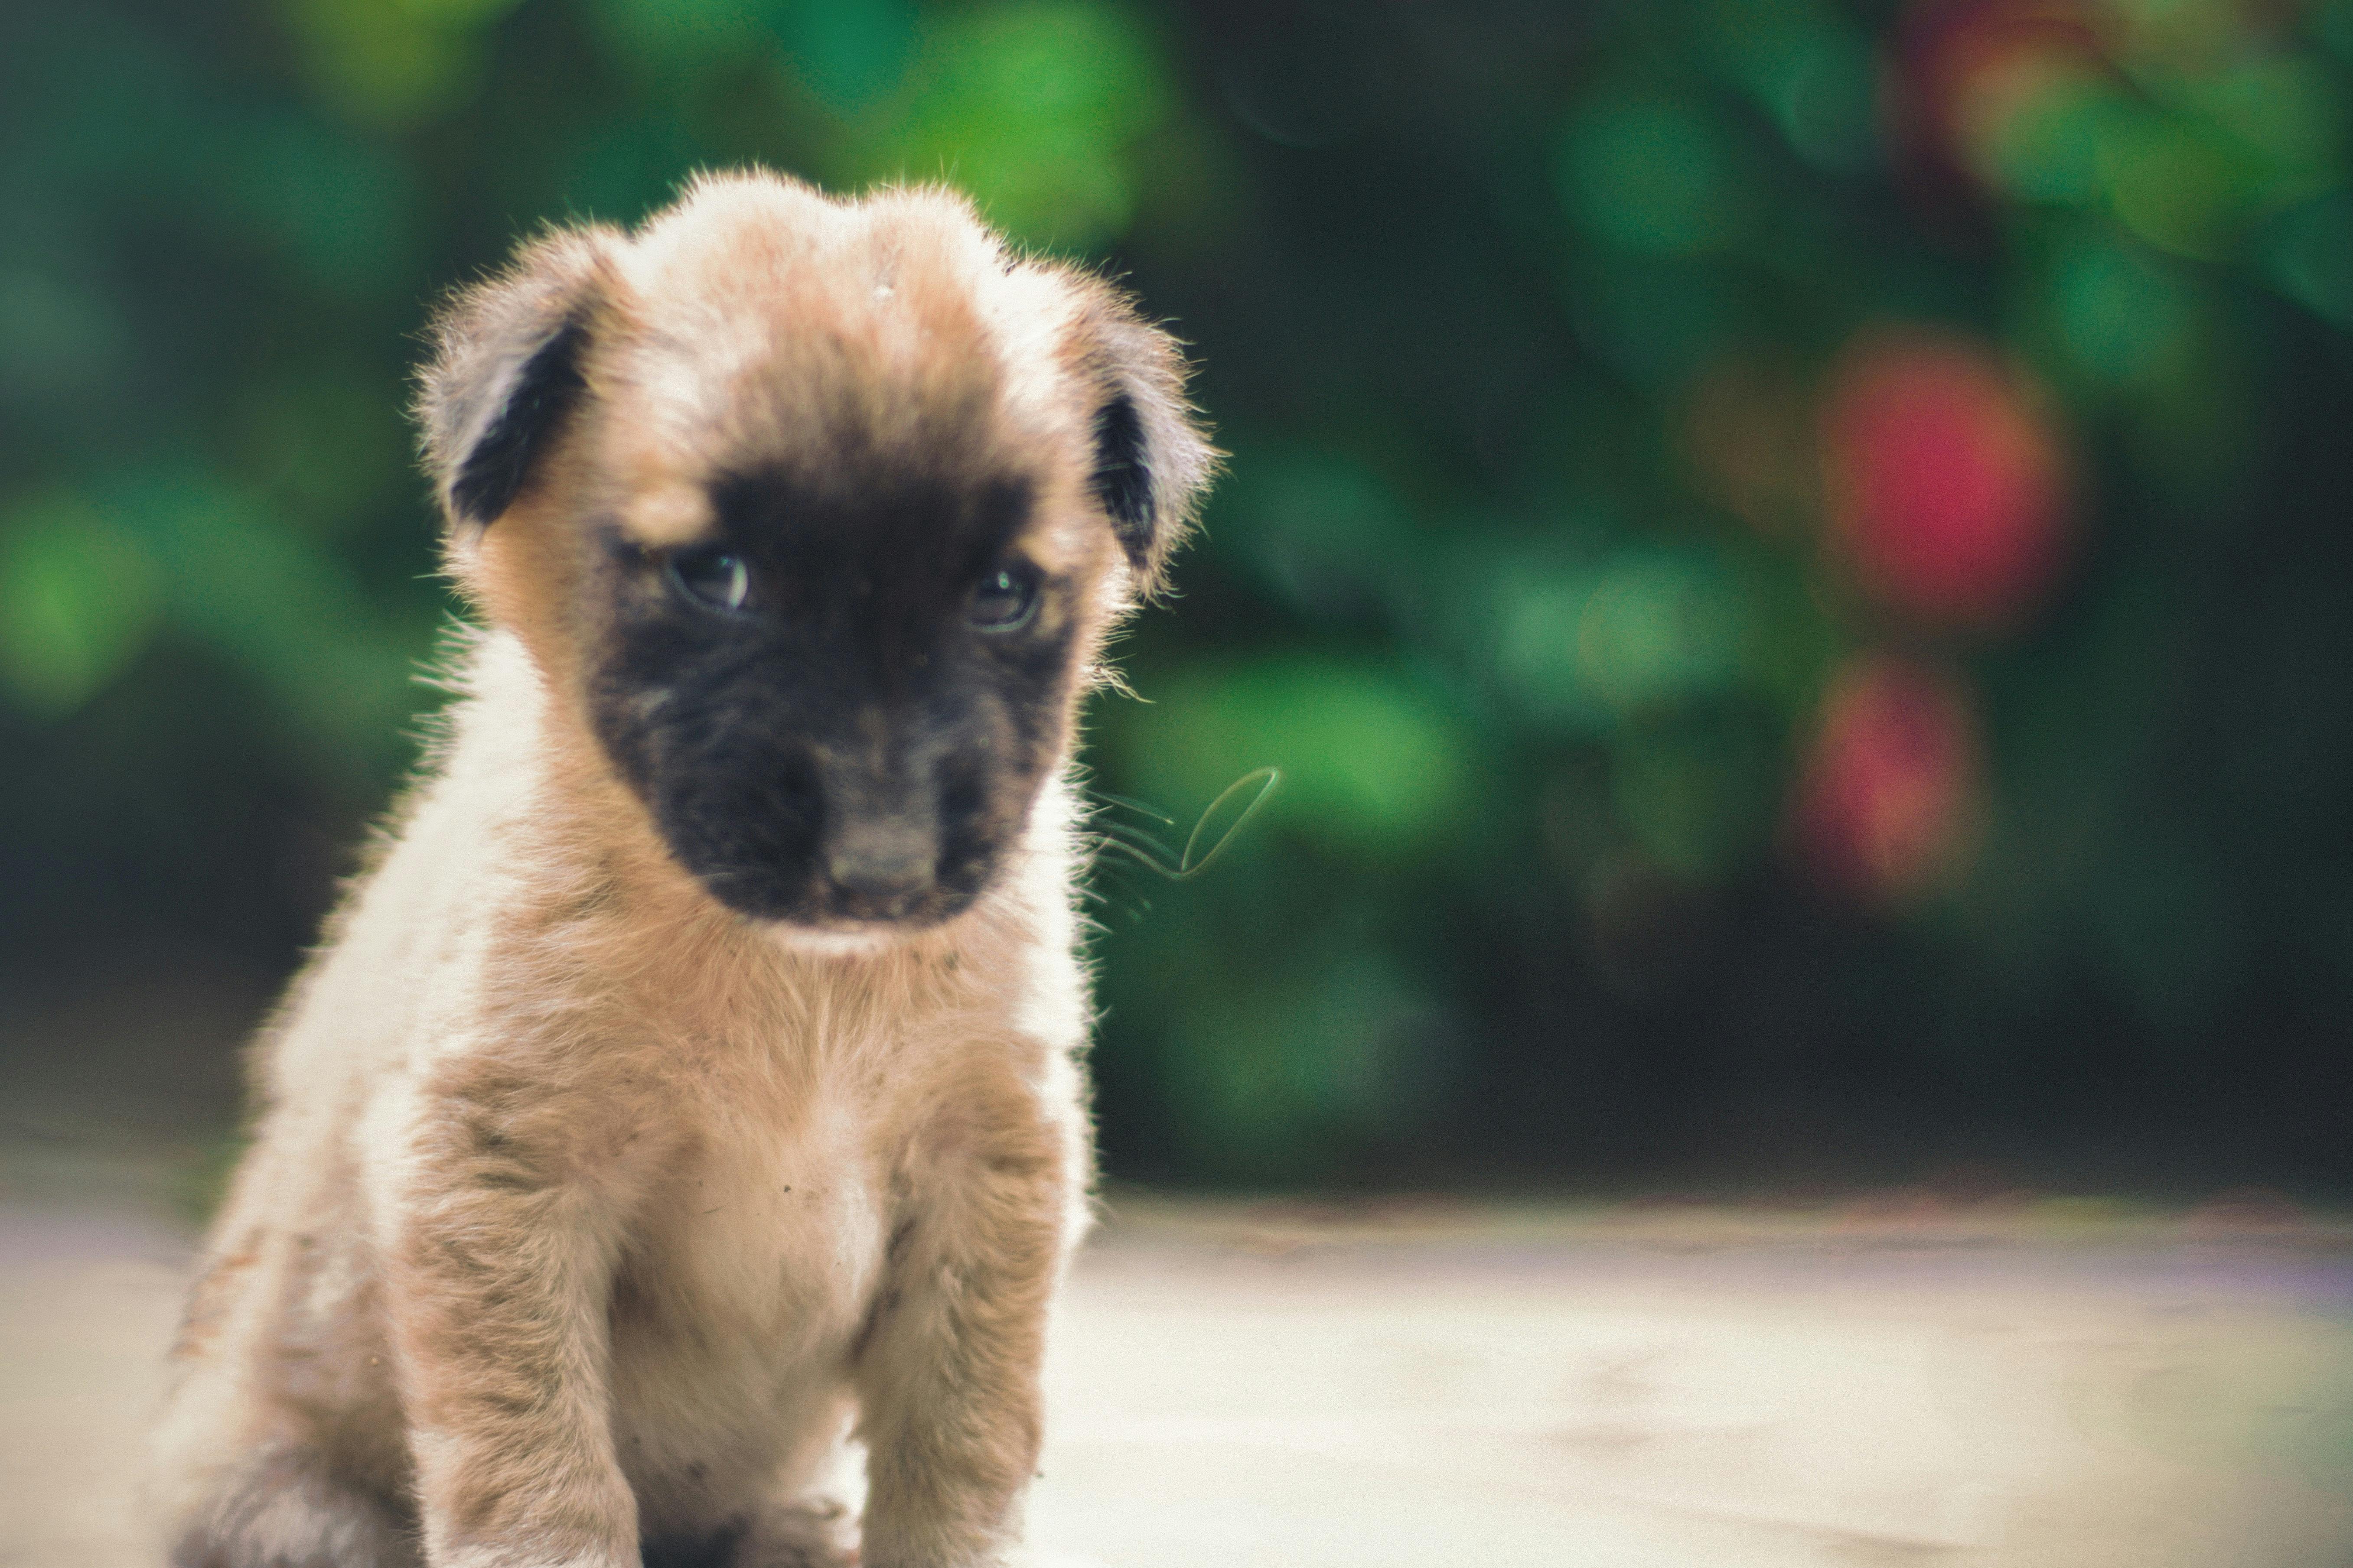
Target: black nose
{"x": 882, "y": 867}
{"x": 883, "y": 827}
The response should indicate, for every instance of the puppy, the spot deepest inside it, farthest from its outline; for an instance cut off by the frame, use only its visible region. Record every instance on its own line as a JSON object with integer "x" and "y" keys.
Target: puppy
{"x": 694, "y": 1074}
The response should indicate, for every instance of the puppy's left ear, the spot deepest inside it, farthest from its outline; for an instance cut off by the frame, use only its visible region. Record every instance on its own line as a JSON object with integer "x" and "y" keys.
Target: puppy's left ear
{"x": 509, "y": 370}
{"x": 1152, "y": 461}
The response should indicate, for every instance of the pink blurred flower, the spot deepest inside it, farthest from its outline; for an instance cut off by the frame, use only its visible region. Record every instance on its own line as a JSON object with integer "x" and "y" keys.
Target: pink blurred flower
{"x": 1887, "y": 799}
{"x": 1947, "y": 491}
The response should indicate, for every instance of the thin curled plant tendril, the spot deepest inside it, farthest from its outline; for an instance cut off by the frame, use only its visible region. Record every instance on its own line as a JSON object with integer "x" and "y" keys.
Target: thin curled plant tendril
{"x": 1138, "y": 806}
{"x": 1119, "y": 873}
{"x": 1117, "y": 836}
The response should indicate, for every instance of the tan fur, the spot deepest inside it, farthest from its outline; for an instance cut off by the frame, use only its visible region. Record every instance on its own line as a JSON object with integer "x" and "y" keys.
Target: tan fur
{"x": 579, "y": 1205}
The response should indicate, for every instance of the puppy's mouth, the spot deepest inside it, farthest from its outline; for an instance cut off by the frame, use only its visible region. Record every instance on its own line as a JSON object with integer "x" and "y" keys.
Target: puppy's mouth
{"x": 872, "y": 892}
{"x": 867, "y": 940}
{"x": 850, "y": 928}
{"x": 811, "y": 909}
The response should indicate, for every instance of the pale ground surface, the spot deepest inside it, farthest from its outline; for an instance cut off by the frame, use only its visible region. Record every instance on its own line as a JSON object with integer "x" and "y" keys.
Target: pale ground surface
{"x": 1240, "y": 1385}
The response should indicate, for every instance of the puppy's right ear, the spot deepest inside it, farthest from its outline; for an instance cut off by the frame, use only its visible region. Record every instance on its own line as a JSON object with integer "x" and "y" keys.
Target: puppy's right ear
{"x": 508, "y": 369}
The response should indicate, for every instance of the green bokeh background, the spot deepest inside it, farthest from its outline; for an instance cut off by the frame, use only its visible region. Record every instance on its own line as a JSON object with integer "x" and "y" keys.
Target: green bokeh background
{"x": 1465, "y": 282}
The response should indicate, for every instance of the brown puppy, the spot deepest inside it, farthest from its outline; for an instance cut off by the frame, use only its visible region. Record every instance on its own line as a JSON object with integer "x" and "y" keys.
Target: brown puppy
{"x": 694, "y": 1073}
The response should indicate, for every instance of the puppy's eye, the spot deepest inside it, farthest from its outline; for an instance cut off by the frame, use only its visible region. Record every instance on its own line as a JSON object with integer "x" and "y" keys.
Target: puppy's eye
{"x": 713, "y": 576}
{"x": 1003, "y": 600}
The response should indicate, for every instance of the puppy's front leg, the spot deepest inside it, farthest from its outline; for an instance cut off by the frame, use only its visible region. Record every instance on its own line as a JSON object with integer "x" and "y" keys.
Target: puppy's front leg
{"x": 505, "y": 1228}
{"x": 948, "y": 1373}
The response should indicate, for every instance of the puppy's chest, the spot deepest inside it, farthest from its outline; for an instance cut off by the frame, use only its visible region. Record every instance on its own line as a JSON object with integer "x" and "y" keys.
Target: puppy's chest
{"x": 772, "y": 1231}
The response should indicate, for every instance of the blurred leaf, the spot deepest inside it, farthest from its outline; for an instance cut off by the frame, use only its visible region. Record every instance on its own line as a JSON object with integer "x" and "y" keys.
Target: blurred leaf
{"x": 393, "y": 62}
{"x": 2292, "y": 108}
{"x": 2311, "y": 255}
{"x": 1698, "y": 791}
{"x": 1809, "y": 70}
{"x": 1654, "y": 321}
{"x": 849, "y": 52}
{"x": 58, "y": 338}
{"x": 324, "y": 445}
{"x": 2178, "y": 182}
{"x": 1278, "y": 1075}
{"x": 99, "y": 103}
{"x": 2123, "y": 315}
{"x": 2332, "y": 23}
{"x": 2046, "y": 148}
{"x": 78, "y": 601}
{"x": 479, "y": 14}
{"x": 1653, "y": 172}
{"x": 1647, "y": 625}
{"x": 276, "y": 601}
{"x": 1328, "y": 532}
{"x": 342, "y": 209}
{"x": 1370, "y": 764}
{"x": 1034, "y": 106}
{"x": 682, "y": 36}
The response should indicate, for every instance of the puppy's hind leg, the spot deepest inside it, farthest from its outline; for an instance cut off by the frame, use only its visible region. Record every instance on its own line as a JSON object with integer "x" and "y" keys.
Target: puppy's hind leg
{"x": 286, "y": 1510}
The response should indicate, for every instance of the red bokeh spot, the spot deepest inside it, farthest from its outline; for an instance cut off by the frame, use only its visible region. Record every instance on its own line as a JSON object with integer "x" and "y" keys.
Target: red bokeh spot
{"x": 1948, "y": 492}
{"x": 1888, "y": 795}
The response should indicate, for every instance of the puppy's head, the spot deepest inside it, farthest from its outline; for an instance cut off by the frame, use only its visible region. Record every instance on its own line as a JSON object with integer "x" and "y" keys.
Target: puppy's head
{"x": 814, "y": 514}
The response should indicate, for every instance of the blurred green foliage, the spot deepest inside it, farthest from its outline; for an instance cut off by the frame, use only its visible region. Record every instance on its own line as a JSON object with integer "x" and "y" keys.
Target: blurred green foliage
{"x": 1534, "y": 574}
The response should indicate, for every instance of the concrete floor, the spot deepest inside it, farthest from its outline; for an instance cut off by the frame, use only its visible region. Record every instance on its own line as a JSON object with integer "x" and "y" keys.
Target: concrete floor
{"x": 2057, "y": 1384}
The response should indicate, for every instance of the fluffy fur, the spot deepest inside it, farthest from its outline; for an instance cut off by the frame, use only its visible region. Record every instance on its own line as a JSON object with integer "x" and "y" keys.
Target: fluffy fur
{"x": 693, "y": 1078}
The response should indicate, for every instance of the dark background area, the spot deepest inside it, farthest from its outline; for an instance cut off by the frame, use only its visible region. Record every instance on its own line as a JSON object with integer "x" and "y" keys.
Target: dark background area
{"x": 1794, "y": 556}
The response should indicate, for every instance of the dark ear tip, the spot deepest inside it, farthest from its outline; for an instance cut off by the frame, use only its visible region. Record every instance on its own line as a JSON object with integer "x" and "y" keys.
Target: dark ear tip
{"x": 550, "y": 384}
{"x": 1151, "y": 457}
{"x": 508, "y": 367}
{"x": 1123, "y": 480}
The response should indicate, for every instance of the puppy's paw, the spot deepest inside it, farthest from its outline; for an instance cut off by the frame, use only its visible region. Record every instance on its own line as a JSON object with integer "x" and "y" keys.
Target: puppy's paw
{"x": 812, "y": 1533}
